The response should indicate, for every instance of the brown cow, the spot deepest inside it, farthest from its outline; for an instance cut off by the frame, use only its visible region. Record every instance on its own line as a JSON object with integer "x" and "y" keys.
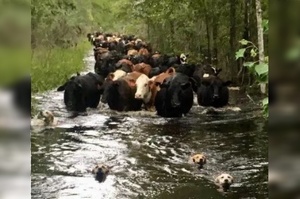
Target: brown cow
{"x": 132, "y": 52}
{"x": 144, "y": 51}
{"x": 131, "y": 78}
{"x": 143, "y": 68}
{"x": 155, "y": 83}
{"x": 98, "y": 51}
{"x": 125, "y": 64}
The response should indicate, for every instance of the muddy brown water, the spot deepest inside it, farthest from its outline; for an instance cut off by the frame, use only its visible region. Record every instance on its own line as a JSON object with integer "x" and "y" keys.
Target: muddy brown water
{"x": 149, "y": 154}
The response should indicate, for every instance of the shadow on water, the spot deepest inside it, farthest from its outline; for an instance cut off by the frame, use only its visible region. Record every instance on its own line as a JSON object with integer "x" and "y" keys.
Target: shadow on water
{"x": 149, "y": 154}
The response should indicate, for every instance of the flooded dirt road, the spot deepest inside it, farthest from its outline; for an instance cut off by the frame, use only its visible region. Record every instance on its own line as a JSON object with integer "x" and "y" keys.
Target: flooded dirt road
{"x": 149, "y": 154}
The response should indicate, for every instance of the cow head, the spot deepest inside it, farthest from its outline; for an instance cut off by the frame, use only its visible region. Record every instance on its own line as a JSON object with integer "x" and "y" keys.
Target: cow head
{"x": 183, "y": 58}
{"x": 117, "y": 74}
{"x": 62, "y": 87}
{"x": 104, "y": 89}
{"x": 143, "y": 91}
{"x": 214, "y": 85}
{"x": 178, "y": 87}
{"x": 209, "y": 70}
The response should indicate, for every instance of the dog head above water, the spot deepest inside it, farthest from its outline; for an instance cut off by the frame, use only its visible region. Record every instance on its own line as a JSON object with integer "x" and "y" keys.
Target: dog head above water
{"x": 44, "y": 118}
{"x": 47, "y": 116}
{"x": 199, "y": 159}
{"x": 224, "y": 181}
{"x": 100, "y": 172}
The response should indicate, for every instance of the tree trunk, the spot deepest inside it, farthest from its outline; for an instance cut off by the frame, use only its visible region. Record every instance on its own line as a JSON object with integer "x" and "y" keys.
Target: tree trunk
{"x": 215, "y": 43}
{"x": 260, "y": 39}
{"x": 208, "y": 35}
{"x": 172, "y": 33}
{"x": 232, "y": 41}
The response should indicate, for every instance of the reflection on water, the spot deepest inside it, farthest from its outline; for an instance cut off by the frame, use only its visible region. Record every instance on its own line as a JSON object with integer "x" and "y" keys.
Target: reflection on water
{"x": 149, "y": 154}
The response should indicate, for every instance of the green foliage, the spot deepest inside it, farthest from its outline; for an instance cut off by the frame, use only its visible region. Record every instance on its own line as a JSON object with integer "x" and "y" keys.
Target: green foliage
{"x": 265, "y": 24}
{"x": 240, "y": 53}
{"x": 59, "y": 22}
{"x": 52, "y": 67}
{"x": 260, "y": 70}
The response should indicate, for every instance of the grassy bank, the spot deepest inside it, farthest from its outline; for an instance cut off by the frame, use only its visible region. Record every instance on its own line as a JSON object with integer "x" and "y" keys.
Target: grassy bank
{"x": 52, "y": 67}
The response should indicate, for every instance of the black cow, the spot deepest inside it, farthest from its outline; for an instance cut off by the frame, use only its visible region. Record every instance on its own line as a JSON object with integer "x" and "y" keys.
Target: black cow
{"x": 188, "y": 69}
{"x": 120, "y": 96}
{"x": 154, "y": 72}
{"x": 177, "y": 59}
{"x": 90, "y": 37}
{"x": 202, "y": 71}
{"x": 137, "y": 59}
{"x": 175, "y": 96}
{"x": 156, "y": 60}
{"x": 213, "y": 92}
{"x": 82, "y": 92}
{"x": 106, "y": 63}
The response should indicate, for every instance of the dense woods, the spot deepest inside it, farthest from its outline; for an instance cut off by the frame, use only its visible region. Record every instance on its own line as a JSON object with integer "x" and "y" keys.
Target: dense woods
{"x": 202, "y": 28}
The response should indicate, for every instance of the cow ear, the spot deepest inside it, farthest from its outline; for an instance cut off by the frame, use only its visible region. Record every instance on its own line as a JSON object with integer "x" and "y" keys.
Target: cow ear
{"x": 150, "y": 83}
{"x": 61, "y": 88}
{"x": 171, "y": 71}
{"x": 227, "y": 83}
{"x": 111, "y": 76}
{"x": 218, "y": 71}
{"x": 132, "y": 82}
{"x": 185, "y": 85}
{"x": 157, "y": 84}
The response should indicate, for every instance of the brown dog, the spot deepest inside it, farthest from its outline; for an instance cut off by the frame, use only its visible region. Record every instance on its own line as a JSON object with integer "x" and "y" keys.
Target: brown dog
{"x": 100, "y": 172}
{"x": 224, "y": 181}
{"x": 198, "y": 159}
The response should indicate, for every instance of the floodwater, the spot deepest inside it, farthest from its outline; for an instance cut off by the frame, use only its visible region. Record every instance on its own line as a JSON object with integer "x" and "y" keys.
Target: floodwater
{"x": 149, "y": 154}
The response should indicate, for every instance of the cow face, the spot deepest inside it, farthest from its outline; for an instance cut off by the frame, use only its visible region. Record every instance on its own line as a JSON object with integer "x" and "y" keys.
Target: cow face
{"x": 143, "y": 91}
{"x": 215, "y": 84}
{"x": 183, "y": 58}
{"x": 178, "y": 87}
{"x": 213, "y": 92}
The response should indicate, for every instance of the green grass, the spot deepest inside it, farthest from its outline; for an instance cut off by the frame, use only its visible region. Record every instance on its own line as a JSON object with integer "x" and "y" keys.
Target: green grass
{"x": 52, "y": 67}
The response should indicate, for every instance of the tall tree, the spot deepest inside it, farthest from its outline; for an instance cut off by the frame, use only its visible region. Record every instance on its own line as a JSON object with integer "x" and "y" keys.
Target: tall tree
{"x": 260, "y": 39}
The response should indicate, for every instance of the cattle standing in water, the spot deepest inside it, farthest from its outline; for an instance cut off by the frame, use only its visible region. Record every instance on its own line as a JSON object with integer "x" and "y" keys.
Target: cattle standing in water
{"x": 175, "y": 96}
{"x": 213, "y": 92}
{"x": 203, "y": 71}
{"x": 120, "y": 94}
{"x": 144, "y": 90}
{"x": 82, "y": 92}
{"x": 106, "y": 63}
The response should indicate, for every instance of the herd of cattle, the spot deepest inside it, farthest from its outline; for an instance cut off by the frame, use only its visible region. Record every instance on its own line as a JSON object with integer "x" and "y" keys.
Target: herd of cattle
{"x": 130, "y": 76}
